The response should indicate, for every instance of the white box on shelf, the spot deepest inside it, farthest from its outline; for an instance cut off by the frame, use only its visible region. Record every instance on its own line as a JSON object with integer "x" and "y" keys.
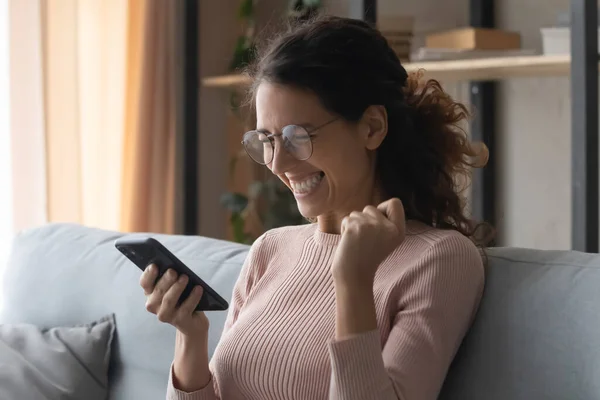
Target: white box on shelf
{"x": 557, "y": 40}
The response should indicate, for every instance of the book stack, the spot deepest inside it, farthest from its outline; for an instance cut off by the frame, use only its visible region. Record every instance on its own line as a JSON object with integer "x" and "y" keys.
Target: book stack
{"x": 470, "y": 43}
{"x": 398, "y": 30}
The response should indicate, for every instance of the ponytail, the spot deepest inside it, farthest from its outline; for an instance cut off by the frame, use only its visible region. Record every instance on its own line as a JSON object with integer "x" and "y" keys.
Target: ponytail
{"x": 427, "y": 158}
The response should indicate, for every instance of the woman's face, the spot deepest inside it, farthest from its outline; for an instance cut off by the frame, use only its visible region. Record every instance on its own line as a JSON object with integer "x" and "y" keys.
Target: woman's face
{"x": 339, "y": 177}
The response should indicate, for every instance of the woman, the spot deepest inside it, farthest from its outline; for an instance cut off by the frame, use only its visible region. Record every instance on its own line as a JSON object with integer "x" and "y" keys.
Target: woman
{"x": 373, "y": 300}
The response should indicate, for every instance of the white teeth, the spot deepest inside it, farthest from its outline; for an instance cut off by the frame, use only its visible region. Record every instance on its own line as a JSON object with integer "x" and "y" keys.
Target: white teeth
{"x": 306, "y": 185}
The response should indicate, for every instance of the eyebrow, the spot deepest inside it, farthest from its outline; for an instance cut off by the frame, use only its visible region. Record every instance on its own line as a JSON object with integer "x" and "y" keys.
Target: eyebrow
{"x": 304, "y": 125}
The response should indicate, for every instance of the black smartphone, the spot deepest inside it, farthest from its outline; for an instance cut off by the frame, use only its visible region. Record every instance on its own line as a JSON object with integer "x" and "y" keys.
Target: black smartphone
{"x": 143, "y": 251}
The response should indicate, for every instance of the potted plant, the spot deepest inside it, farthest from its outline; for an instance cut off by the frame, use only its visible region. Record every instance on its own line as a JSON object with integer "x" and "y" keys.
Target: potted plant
{"x": 269, "y": 203}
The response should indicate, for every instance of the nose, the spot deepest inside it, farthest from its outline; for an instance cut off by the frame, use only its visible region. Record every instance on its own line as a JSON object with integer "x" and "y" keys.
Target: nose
{"x": 282, "y": 159}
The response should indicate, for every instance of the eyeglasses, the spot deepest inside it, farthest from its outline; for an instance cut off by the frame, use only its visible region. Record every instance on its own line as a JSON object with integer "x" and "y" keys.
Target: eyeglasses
{"x": 297, "y": 140}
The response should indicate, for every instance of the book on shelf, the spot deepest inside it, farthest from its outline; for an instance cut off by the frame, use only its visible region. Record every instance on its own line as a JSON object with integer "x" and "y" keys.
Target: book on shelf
{"x": 429, "y": 54}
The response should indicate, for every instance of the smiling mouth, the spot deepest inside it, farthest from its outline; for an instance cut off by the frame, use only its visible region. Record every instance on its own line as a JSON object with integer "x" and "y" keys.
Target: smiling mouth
{"x": 308, "y": 185}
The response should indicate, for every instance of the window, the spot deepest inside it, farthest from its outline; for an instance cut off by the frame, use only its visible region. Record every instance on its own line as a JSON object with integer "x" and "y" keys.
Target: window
{"x": 6, "y": 220}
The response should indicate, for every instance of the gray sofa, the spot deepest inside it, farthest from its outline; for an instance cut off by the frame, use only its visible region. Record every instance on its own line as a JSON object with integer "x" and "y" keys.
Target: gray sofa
{"x": 537, "y": 334}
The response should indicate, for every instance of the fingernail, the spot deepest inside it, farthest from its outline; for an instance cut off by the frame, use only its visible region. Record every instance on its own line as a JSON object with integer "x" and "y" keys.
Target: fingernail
{"x": 182, "y": 278}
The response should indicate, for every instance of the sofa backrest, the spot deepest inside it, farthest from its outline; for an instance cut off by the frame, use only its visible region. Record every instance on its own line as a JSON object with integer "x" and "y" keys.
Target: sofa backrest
{"x": 64, "y": 274}
{"x": 537, "y": 332}
{"x": 536, "y": 335}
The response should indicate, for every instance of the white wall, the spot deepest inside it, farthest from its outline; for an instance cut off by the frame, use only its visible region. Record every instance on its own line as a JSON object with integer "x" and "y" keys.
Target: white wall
{"x": 6, "y": 218}
{"x": 533, "y": 132}
{"x": 534, "y": 138}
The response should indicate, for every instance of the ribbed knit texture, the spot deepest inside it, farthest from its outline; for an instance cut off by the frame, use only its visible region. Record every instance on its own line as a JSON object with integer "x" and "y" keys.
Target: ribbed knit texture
{"x": 279, "y": 337}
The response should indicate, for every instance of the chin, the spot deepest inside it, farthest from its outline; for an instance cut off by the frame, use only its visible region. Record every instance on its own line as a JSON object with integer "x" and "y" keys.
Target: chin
{"x": 309, "y": 211}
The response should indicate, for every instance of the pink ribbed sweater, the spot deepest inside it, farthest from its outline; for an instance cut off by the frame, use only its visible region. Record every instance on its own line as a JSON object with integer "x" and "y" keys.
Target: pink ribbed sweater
{"x": 279, "y": 337}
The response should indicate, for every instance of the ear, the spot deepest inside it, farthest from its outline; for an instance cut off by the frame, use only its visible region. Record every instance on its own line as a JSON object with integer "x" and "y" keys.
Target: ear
{"x": 374, "y": 125}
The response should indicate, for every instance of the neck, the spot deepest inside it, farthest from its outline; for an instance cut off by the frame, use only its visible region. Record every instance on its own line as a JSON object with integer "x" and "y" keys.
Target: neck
{"x": 331, "y": 222}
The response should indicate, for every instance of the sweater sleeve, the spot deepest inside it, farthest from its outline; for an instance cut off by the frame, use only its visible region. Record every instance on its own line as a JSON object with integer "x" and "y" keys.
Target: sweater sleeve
{"x": 436, "y": 306}
{"x": 249, "y": 274}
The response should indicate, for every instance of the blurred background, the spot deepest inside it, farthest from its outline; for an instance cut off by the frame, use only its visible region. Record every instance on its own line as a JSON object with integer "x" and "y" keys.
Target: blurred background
{"x": 126, "y": 114}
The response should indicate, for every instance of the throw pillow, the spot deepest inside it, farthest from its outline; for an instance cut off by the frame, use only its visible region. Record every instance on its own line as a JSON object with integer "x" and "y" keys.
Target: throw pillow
{"x": 65, "y": 362}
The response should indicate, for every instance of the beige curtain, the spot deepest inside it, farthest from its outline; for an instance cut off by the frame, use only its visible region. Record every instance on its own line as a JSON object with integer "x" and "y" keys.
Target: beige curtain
{"x": 28, "y": 161}
{"x": 84, "y": 68}
{"x": 149, "y": 200}
{"x": 67, "y": 98}
{"x": 93, "y": 90}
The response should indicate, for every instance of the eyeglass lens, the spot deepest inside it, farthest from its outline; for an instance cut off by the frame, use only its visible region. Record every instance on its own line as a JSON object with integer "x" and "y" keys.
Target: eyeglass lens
{"x": 296, "y": 141}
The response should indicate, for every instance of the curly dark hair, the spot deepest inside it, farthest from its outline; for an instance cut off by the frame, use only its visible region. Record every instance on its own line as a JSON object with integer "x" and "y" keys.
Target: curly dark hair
{"x": 426, "y": 157}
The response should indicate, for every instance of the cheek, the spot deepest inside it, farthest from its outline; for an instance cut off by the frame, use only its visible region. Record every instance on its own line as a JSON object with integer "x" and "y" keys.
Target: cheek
{"x": 343, "y": 158}
{"x": 347, "y": 155}
{"x": 345, "y": 168}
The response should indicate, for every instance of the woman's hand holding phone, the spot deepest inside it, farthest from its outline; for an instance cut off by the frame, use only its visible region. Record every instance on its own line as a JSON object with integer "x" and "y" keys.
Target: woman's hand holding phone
{"x": 162, "y": 297}
{"x": 190, "y": 364}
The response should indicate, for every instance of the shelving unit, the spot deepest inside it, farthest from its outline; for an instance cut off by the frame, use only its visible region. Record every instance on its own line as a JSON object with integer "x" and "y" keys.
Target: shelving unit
{"x": 581, "y": 66}
{"x": 584, "y": 126}
{"x": 481, "y": 69}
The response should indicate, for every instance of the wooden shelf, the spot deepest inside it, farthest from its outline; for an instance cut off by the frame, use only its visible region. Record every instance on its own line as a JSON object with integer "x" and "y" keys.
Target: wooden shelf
{"x": 226, "y": 81}
{"x": 494, "y": 68}
{"x": 457, "y": 70}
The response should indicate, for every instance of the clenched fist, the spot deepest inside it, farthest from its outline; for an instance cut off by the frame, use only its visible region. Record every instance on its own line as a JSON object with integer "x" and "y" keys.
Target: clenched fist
{"x": 368, "y": 238}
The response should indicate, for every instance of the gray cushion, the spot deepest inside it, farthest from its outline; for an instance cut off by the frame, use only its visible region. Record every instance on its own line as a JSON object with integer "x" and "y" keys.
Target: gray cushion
{"x": 537, "y": 333}
{"x": 65, "y": 274}
{"x": 58, "y": 363}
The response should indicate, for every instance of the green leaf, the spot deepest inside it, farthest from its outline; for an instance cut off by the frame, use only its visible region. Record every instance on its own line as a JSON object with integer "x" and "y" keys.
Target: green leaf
{"x": 234, "y": 202}
{"x": 299, "y": 5}
{"x": 280, "y": 205}
{"x": 238, "y": 227}
{"x": 246, "y": 9}
{"x": 256, "y": 189}
{"x": 244, "y": 54}
{"x": 312, "y": 3}
{"x": 232, "y": 165}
